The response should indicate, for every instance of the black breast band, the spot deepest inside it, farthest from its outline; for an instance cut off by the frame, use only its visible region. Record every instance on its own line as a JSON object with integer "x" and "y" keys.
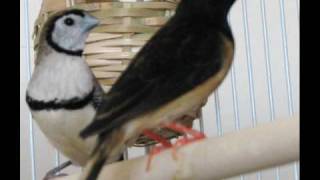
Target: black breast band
{"x": 69, "y": 104}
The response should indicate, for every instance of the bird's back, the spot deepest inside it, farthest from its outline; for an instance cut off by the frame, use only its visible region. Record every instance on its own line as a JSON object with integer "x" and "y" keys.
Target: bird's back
{"x": 182, "y": 55}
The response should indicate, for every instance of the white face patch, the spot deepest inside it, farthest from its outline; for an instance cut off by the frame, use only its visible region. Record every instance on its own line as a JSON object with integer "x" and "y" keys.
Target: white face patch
{"x": 70, "y": 32}
{"x": 60, "y": 77}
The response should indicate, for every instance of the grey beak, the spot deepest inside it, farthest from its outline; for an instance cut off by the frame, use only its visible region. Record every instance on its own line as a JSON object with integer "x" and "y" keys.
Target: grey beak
{"x": 91, "y": 22}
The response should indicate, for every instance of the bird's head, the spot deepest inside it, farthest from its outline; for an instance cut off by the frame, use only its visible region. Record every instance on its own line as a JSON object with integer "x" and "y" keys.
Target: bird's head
{"x": 210, "y": 10}
{"x": 67, "y": 31}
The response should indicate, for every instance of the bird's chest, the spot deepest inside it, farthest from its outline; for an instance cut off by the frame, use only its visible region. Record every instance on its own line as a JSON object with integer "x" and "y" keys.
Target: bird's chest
{"x": 67, "y": 122}
{"x": 60, "y": 78}
{"x": 62, "y": 128}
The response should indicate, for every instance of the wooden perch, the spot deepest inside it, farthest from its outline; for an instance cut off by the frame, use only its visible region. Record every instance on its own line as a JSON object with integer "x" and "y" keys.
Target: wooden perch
{"x": 235, "y": 153}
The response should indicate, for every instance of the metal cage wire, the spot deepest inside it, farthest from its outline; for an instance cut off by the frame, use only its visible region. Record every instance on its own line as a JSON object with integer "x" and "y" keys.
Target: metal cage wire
{"x": 231, "y": 92}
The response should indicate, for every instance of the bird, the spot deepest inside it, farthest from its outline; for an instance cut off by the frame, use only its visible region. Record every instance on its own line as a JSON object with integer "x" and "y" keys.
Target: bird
{"x": 63, "y": 94}
{"x": 174, "y": 72}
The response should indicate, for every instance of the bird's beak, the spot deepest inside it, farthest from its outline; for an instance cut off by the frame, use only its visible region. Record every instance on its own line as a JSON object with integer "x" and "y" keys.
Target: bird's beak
{"x": 91, "y": 22}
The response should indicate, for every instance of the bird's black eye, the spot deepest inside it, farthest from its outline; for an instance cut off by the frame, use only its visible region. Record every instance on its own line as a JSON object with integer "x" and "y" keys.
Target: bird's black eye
{"x": 69, "y": 21}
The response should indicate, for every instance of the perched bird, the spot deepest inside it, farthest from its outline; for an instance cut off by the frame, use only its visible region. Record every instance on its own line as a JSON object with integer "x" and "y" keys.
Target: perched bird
{"x": 63, "y": 94}
{"x": 176, "y": 70}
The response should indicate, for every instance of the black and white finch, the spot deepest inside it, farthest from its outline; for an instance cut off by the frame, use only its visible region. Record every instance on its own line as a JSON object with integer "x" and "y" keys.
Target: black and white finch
{"x": 63, "y": 93}
{"x": 181, "y": 65}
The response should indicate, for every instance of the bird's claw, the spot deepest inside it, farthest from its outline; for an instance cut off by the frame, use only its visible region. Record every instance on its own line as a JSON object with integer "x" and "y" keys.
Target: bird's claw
{"x": 165, "y": 144}
{"x": 54, "y": 173}
{"x": 53, "y": 176}
{"x": 195, "y": 135}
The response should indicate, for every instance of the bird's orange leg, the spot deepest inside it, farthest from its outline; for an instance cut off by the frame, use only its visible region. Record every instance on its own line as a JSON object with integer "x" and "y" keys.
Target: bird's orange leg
{"x": 157, "y": 138}
{"x": 196, "y": 135}
{"x": 165, "y": 144}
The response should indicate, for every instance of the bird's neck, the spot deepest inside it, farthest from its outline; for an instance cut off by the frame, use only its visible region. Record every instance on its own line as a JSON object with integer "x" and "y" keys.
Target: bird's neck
{"x": 64, "y": 46}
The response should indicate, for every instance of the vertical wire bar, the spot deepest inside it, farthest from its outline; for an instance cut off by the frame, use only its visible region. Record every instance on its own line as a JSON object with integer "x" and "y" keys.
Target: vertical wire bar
{"x": 249, "y": 62}
{"x": 67, "y": 3}
{"x": 57, "y": 158}
{"x": 72, "y": 2}
{"x": 267, "y": 58}
{"x": 201, "y": 124}
{"x": 296, "y": 171}
{"x": 234, "y": 92}
{"x": 218, "y": 114}
{"x": 148, "y": 149}
{"x": 235, "y": 101}
{"x": 125, "y": 154}
{"x": 268, "y": 67}
{"x": 287, "y": 69}
{"x": 28, "y": 59}
{"x": 250, "y": 70}
{"x": 286, "y": 58}
{"x": 298, "y": 9}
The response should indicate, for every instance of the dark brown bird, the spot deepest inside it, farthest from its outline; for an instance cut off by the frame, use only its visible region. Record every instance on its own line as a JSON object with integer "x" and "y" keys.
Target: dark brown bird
{"x": 181, "y": 65}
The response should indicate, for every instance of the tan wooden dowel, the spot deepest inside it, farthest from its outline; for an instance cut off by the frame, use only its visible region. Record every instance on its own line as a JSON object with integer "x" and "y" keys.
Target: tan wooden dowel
{"x": 235, "y": 153}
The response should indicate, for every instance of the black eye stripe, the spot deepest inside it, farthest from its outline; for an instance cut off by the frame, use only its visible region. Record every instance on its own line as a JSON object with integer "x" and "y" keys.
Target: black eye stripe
{"x": 69, "y": 21}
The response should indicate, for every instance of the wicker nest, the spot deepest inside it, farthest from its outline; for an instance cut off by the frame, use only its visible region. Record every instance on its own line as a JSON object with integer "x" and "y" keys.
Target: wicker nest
{"x": 125, "y": 28}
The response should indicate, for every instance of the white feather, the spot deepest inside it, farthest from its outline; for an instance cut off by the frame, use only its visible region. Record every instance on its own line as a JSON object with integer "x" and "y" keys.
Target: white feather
{"x": 62, "y": 128}
{"x": 60, "y": 76}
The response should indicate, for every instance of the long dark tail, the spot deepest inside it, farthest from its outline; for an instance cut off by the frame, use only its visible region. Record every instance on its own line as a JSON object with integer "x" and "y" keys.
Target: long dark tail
{"x": 95, "y": 169}
{"x": 108, "y": 147}
{"x": 121, "y": 157}
{"x": 97, "y": 164}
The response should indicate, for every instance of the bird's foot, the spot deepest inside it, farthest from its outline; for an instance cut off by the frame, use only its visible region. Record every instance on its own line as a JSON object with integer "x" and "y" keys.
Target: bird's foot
{"x": 195, "y": 135}
{"x": 52, "y": 177}
{"x": 165, "y": 144}
{"x": 54, "y": 173}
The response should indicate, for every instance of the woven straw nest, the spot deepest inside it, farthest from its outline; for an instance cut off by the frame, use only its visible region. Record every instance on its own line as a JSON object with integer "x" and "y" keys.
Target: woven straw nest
{"x": 125, "y": 27}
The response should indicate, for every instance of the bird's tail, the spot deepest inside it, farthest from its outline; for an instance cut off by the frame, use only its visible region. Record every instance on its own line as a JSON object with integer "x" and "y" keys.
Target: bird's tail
{"x": 108, "y": 150}
{"x": 93, "y": 168}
